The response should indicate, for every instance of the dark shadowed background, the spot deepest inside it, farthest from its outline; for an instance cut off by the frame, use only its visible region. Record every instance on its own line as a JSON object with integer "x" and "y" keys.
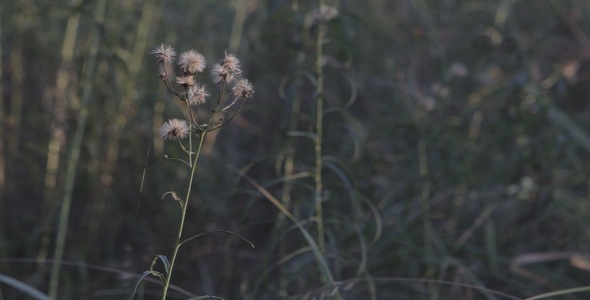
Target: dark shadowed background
{"x": 455, "y": 149}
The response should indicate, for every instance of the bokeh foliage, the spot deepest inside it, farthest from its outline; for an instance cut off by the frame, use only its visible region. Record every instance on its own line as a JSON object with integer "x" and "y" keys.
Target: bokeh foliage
{"x": 455, "y": 147}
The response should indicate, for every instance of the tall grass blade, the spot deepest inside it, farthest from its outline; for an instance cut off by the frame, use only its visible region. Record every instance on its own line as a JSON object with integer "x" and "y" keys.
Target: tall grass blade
{"x": 327, "y": 275}
{"x": 23, "y": 287}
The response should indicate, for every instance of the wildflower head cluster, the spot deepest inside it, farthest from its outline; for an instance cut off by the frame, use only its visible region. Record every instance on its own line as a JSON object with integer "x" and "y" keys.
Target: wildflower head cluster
{"x": 192, "y": 62}
{"x": 164, "y": 54}
{"x": 174, "y": 129}
{"x": 193, "y": 94}
{"x": 227, "y": 72}
{"x": 197, "y": 94}
{"x": 243, "y": 89}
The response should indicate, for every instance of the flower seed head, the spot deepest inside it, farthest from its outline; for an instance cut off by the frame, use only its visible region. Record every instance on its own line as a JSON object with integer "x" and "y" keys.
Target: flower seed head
{"x": 243, "y": 89}
{"x": 227, "y": 70}
{"x": 232, "y": 63}
{"x": 192, "y": 62}
{"x": 174, "y": 128}
{"x": 219, "y": 73}
{"x": 197, "y": 94}
{"x": 186, "y": 81}
{"x": 164, "y": 54}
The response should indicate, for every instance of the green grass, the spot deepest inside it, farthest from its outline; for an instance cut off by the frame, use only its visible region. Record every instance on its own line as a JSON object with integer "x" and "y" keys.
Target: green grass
{"x": 451, "y": 159}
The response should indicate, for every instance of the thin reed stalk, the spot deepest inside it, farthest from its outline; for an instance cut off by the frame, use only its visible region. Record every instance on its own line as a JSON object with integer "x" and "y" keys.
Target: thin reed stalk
{"x": 319, "y": 69}
{"x": 426, "y": 224}
{"x": 57, "y": 135}
{"x": 74, "y": 152}
{"x": 238, "y": 24}
{"x": 288, "y": 171}
{"x": 2, "y": 147}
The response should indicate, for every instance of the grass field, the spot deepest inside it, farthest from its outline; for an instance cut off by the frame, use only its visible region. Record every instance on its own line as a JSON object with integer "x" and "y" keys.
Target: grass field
{"x": 412, "y": 149}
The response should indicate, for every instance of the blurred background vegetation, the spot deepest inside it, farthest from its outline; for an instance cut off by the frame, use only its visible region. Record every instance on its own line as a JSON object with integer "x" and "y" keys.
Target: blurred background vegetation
{"x": 455, "y": 148}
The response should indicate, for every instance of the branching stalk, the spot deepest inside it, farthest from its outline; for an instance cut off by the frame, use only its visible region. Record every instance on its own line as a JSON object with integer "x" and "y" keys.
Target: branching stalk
{"x": 183, "y": 217}
{"x": 225, "y": 72}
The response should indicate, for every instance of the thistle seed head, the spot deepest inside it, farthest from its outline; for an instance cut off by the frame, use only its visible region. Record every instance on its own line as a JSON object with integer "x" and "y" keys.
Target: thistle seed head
{"x": 192, "y": 62}
{"x": 164, "y": 54}
{"x": 174, "y": 128}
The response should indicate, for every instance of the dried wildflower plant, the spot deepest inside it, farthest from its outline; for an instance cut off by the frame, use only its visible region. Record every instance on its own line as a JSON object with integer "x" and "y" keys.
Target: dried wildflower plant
{"x": 233, "y": 91}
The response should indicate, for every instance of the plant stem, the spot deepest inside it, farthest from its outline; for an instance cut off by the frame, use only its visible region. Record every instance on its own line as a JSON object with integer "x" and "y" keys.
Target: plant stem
{"x": 182, "y": 217}
{"x": 188, "y": 193}
{"x": 319, "y": 131}
{"x": 427, "y": 225}
{"x": 238, "y": 24}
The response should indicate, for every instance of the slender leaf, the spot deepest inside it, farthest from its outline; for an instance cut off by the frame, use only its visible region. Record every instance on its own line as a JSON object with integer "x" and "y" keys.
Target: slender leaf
{"x": 141, "y": 277}
{"x": 23, "y": 287}
{"x": 216, "y": 231}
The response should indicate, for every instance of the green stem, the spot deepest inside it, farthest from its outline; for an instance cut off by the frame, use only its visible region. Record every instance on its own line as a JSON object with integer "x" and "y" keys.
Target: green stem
{"x": 427, "y": 225}
{"x": 238, "y": 24}
{"x": 190, "y": 135}
{"x": 319, "y": 132}
{"x": 188, "y": 194}
{"x": 182, "y": 217}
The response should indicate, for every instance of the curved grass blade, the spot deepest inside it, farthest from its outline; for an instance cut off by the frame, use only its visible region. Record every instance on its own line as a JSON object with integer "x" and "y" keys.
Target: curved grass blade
{"x": 146, "y": 273}
{"x": 23, "y": 287}
{"x": 216, "y": 231}
{"x": 205, "y": 297}
{"x": 561, "y": 293}
{"x": 343, "y": 173}
{"x": 164, "y": 260}
{"x": 323, "y": 265}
